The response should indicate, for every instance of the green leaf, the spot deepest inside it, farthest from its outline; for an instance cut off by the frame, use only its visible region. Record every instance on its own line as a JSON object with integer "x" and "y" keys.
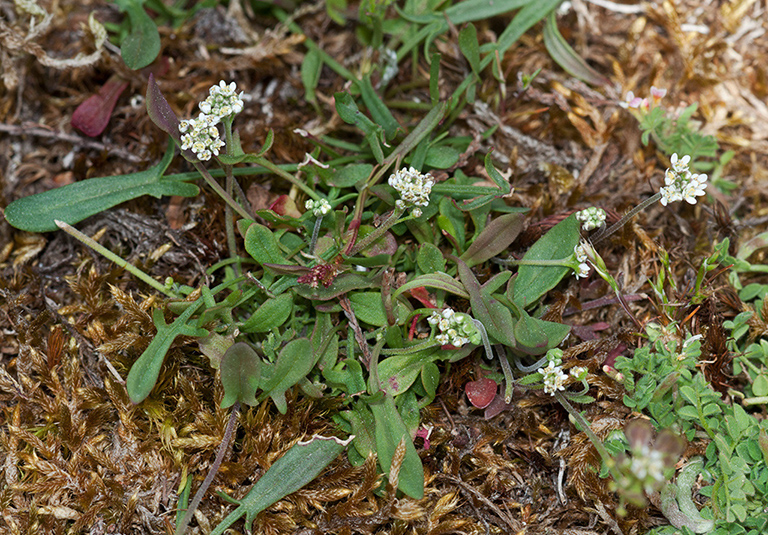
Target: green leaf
{"x": 501, "y": 182}
{"x": 378, "y": 110}
{"x": 470, "y": 47}
{"x": 310, "y": 73}
{"x": 533, "y": 282}
{"x": 398, "y": 373}
{"x": 262, "y": 245}
{"x": 344, "y": 283}
{"x": 144, "y": 372}
{"x": 496, "y": 318}
{"x": 142, "y": 45}
{"x": 240, "y": 373}
{"x": 74, "y": 202}
{"x": 300, "y": 465}
{"x": 391, "y": 431}
{"x": 430, "y": 259}
{"x": 295, "y": 361}
{"x": 369, "y": 308}
{"x": 441, "y": 281}
{"x": 566, "y": 57}
{"x": 270, "y": 315}
{"x": 494, "y": 239}
{"x": 349, "y": 175}
{"x": 430, "y": 379}
{"x": 535, "y": 336}
{"x": 351, "y": 114}
{"x": 441, "y": 156}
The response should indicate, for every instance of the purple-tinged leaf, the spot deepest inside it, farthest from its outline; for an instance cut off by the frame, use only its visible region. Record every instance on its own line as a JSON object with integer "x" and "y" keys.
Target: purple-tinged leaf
{"x": 92, "y": 116}
{"x": 160, "y": 111}
{"x": 494, "y": 238}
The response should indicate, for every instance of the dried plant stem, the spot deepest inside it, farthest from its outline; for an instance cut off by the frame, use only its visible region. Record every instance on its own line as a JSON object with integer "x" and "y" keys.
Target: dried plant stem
{"x": 593, "y": 438}
{"x": 228, "y": 432}
{"x": 605, "y": 233}
{"x": 109, "y": 255}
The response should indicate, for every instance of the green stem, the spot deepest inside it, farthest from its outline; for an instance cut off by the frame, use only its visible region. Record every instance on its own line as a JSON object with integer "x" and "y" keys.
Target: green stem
{"x": 289, "y": 177}
{"x": 377, "y": 233}
{"x": 109, "y": 255}
{"x": 596, "y": 442}
{"x": 603, "y": 234}
{"x": 242, "y": 212}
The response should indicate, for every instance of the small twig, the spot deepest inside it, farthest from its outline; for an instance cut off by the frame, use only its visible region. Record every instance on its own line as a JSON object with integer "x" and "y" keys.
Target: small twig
{"x": 41, "y": 131}
{"x": 228, "y": 432}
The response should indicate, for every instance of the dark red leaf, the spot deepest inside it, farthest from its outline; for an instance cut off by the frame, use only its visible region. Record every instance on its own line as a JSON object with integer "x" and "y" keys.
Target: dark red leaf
{"x": 481, "y": 392}
{"x": 92, "y": 116}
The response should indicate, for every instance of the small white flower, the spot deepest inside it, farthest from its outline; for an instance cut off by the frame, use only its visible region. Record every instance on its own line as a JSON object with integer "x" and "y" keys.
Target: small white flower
{"x": 319, "y": 208}
{"x": 554, "y": 378}
{"x": 579, "y": 372}
{"x": 414, "y": 187}
{"x": 583, "y": 271}
{"x": 416, "y": 212}
{"x": 680, "y": 184}
{"x": 591, "y": 218}
{"x": 455, "y": 329}
{"x": 222, "y": 101}
{"x": 201, "y": 137}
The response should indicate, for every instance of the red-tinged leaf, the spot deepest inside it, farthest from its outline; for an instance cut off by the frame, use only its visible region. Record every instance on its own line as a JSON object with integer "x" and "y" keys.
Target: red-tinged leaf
{"x": 481, "y": 392}
{"x": 162, "y": 115}
{"x": 92, "y": 116}
{"x": 422, "y": 296}
{"x": 285, "y": 206}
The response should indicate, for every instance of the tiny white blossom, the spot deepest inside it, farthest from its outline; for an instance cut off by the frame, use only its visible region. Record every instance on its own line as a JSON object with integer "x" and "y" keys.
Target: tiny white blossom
{"x": 455, "y": 329}
{"x": 554, "y": 378}
{"x": 680, "y": 184}
{"x": 222, "y": 101}
{"x": 591, "y": 218}
{"x": 319, "y": 208}
{"x": 579, "y": 372}
{"x": 201, "y": 137}
{"x": 416, "y": 212}
{"x": 583, "y": 271}
{"x": 414, "y": 187}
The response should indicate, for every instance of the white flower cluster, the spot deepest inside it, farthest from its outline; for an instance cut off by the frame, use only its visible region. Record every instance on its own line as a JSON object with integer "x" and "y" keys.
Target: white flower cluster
{"x": 591, "y": 218}
{"x": 455, "y": 329}
{"x": 680, "y": 183}
{"x": 554, "y": 378}
{"x": 201, "y": 134}
{"x": 648, "y": 466}
{"x": 222, "y": 100}
{"x": 581, "y": 257}
{"x": 319, "y": 208}
{"x": 414, "y": 187}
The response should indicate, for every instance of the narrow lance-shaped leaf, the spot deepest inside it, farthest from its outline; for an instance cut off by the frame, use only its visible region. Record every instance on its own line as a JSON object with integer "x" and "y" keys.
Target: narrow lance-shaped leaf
{"x": 494, "y": 239}
{"x": 566, "y": 57}
{"x": 496, "y": 318}
{"x": 441, "y": 281}
{"x": 300, "y": 465}
{"x": 74, "y": 202}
